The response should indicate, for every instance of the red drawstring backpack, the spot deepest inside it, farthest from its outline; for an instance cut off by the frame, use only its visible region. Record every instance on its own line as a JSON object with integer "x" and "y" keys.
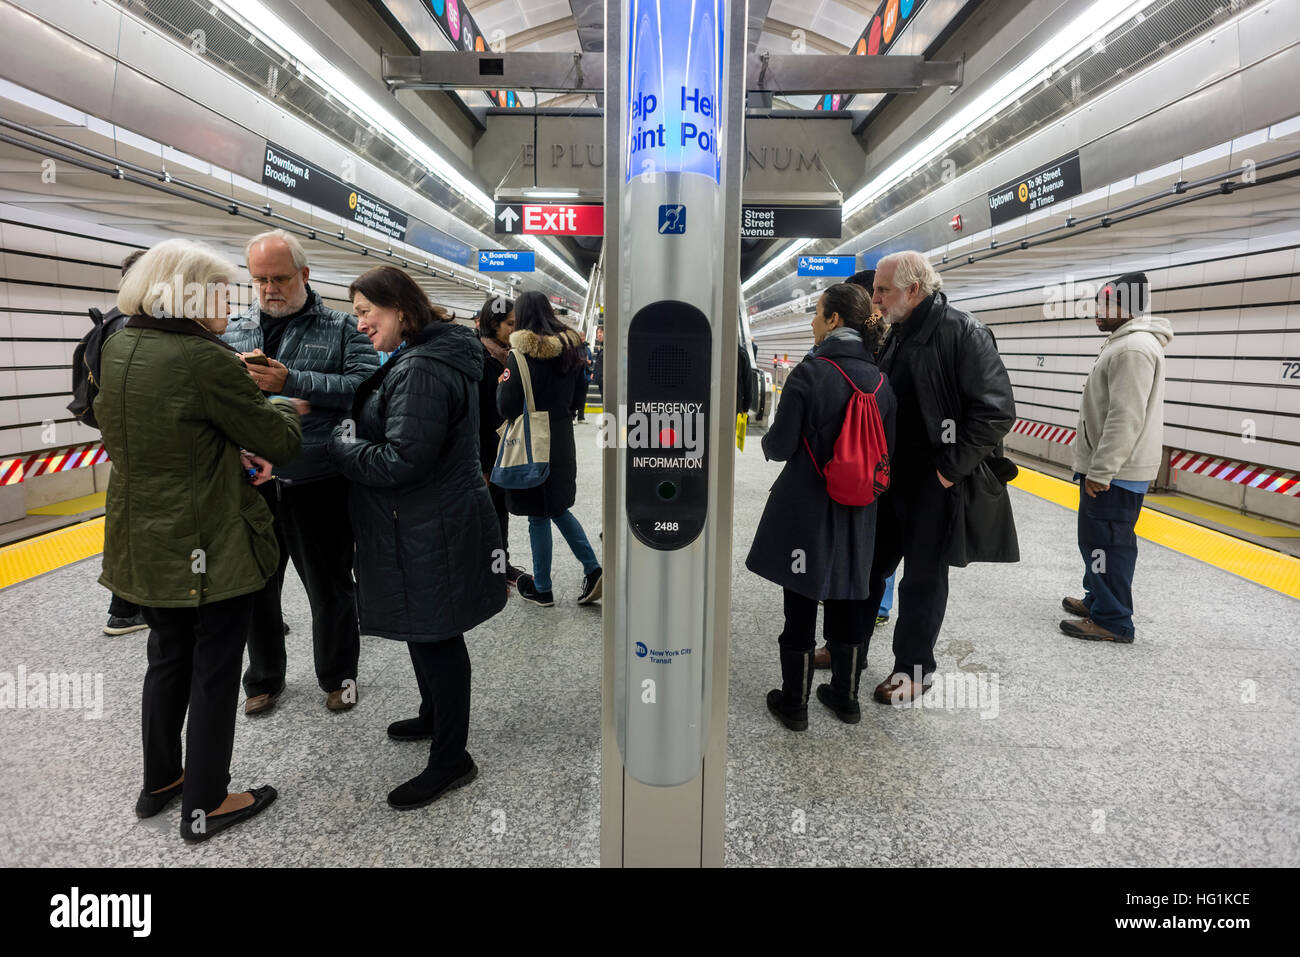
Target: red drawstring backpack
{"x": 859, "y": 469}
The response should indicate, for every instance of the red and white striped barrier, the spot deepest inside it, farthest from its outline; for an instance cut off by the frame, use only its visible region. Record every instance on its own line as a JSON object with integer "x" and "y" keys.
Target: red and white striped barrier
{"x": 1041, "y": 430}
{"x": 1239, "y": 473}
{"x": 13, "y": 471}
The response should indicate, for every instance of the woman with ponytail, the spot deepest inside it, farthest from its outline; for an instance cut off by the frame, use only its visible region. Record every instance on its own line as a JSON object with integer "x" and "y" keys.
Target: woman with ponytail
{"x": 815, "y": 548}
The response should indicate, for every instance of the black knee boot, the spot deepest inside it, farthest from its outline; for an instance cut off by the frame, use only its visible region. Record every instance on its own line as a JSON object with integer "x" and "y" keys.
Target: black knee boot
{"x": 841, "y": 695}
{"x": 790, "y": 703}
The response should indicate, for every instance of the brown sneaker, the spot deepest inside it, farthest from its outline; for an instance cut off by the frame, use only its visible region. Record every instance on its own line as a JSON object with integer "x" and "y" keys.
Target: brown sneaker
{"x": 1075, "y": 607}
{"x": 262, "y": 703}
{"x": 822, "y": 659}
{"x": 343, "y": 699}
{"x": 899, "y": 688}
{"x": 1089, "y": 630}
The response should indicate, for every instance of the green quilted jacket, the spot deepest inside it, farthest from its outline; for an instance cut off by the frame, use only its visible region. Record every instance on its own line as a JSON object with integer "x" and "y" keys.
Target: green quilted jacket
{"x": 184, "y": 525}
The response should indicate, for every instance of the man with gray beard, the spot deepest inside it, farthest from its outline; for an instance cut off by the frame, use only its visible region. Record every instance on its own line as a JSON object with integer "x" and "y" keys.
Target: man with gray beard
{"x": 294, "y": 345}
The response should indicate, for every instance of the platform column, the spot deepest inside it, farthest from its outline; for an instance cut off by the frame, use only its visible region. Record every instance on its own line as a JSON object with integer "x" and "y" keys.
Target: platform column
{"x": 674, "y": 119}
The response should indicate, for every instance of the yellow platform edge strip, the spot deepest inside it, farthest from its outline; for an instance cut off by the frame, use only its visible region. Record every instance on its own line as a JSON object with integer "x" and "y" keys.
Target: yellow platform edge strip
{"x": 1281, "y": 573}
{"x": 44, "y": 553}
{"x": 1255, "y": 563}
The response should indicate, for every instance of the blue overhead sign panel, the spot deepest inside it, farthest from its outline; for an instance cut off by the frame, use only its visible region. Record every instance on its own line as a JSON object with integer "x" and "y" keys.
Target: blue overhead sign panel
{"x": 674, "y": 84}
{"x": 828, "y": 265}
{"x": 506, "y": 260}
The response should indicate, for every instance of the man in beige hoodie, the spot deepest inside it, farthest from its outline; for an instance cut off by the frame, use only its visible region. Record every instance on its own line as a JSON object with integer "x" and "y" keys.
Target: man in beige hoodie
{"x": 1117, "y": 453}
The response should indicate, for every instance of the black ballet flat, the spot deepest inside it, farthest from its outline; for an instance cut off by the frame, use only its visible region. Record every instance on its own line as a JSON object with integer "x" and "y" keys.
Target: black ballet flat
{"x": 148, "y": 804}
{"x": 263, "y": 798}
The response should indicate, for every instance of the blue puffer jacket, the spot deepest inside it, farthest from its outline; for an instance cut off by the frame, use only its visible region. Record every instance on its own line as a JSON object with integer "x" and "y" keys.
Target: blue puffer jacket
{"x": 327, "y": 359}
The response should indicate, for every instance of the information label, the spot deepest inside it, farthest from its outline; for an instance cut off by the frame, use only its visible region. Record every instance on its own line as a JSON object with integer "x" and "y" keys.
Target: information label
{"x": 1044, "y": 186}
{"x": 550, "y": 219}
{"x": 791, "y": 222}
{"x": 506, "y": 260}
{"x": 290, "y": 173}
{"x": 828, "y": 265}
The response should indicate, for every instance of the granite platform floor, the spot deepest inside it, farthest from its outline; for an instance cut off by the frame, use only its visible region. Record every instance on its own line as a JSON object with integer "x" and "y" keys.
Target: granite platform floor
{"x": 1180, "y": 749}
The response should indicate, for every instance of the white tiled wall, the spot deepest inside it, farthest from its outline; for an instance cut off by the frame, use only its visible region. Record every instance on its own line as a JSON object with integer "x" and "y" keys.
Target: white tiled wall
{"x": 45, "y": 300}
{"x": 1232, "y": 334}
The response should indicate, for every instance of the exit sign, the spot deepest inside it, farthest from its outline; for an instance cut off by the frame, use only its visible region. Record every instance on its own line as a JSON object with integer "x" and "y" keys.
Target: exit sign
{"x": 550, "y": 219}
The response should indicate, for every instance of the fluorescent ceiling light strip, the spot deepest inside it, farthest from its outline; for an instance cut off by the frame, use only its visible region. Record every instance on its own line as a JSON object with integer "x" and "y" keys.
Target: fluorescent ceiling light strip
{"x": 1038, "y": 67}
{"x": 273, "y": 32}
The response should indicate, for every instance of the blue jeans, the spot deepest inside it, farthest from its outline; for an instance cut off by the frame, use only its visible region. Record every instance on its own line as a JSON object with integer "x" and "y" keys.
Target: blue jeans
{"x": 1108, "y": 545}
{"x": 539, "y": 536}
{"x": 887, "y": 603}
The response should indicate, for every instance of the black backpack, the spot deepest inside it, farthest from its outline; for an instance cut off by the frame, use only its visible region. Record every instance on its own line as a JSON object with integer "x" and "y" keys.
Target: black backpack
{"x": 85, "y": 364}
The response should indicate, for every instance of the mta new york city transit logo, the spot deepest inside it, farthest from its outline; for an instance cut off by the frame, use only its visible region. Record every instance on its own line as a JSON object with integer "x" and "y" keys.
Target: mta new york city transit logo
{"x": 641, "y": 650}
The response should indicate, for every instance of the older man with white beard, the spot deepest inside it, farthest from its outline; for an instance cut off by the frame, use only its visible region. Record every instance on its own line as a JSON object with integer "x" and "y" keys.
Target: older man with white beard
{"x": 294, "y": 345}
{"x": 947, "y": 502}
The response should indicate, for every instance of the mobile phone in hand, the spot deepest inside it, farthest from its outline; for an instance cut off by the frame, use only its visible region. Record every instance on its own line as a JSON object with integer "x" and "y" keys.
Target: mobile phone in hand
{"x": 257, "y": 359}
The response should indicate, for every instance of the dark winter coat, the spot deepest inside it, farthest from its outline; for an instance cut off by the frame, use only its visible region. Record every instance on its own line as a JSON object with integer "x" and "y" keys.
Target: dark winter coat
{"x": 327, "y": 358}
{"x": 964, "y": 395}
{"x": 583, "y": 381}
{"x": 806, "y": 541}
{"x": 184, "y": 525}
{"x": 552, "y": 393}
{"x": 489, "y": 419}
{"x": 429, "y": 564}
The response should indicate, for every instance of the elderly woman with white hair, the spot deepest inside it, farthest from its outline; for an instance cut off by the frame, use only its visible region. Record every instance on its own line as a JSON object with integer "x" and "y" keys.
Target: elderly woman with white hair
{"x": 186, "y": 536}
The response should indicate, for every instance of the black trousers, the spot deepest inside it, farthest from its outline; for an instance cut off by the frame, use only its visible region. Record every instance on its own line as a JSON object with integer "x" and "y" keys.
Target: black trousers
{"x": 313, "y": 528}
{"x": 912, "y": 522}
{"x": 503, "y": 516}
{"x": 194, "y": 659}
{"x": 844, "y": 622}
{"x": 442, "y": 671}
{"x": 121, "y": 608}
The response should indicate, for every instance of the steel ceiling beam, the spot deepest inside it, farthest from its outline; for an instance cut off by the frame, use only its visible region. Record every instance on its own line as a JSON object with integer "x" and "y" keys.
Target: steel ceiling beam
{"x": 783, "y": 73}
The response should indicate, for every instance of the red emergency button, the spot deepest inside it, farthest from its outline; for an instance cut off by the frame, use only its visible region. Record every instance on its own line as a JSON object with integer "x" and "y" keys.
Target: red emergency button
{"x": 667, "y": 438}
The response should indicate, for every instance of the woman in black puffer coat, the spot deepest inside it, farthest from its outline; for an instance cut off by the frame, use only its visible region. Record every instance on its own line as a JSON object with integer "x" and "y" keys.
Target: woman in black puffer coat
{"x": 555, "y": 362}
{"x": 429, "y": 563}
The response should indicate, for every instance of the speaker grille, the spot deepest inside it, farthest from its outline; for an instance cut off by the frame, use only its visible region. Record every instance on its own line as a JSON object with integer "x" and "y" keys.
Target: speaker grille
{"x": 669, "y": 365}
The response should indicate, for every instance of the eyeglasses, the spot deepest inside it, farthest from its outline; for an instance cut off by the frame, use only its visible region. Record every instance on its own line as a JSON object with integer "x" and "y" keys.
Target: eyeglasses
{"x": 274, "y": 280}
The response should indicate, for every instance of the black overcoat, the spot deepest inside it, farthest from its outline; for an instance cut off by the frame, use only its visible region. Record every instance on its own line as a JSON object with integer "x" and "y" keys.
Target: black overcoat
{"x": 806, "y": 541}
{"x": 967, "y": 405}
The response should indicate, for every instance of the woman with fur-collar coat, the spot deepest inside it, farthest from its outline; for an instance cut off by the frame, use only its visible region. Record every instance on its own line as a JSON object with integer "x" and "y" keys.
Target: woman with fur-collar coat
{"x": 555, "y": 363}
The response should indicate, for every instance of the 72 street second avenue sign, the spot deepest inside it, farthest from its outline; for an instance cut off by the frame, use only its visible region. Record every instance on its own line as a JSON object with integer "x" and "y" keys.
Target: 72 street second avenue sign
{"x": 550, "y": 219}
{"x": 791, "y": 222}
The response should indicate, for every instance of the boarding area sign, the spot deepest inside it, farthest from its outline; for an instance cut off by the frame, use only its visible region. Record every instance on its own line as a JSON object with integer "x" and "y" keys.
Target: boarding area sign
{"x": 828, "y": 265}
{"x": 506, "y": 260}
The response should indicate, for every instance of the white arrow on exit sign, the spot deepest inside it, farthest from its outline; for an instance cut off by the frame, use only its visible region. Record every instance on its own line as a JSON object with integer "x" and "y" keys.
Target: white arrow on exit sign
{"x": 509, "y": 217}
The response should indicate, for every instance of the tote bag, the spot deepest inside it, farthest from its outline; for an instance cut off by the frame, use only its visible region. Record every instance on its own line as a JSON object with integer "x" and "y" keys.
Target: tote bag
{"x": 524, "y": 452}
